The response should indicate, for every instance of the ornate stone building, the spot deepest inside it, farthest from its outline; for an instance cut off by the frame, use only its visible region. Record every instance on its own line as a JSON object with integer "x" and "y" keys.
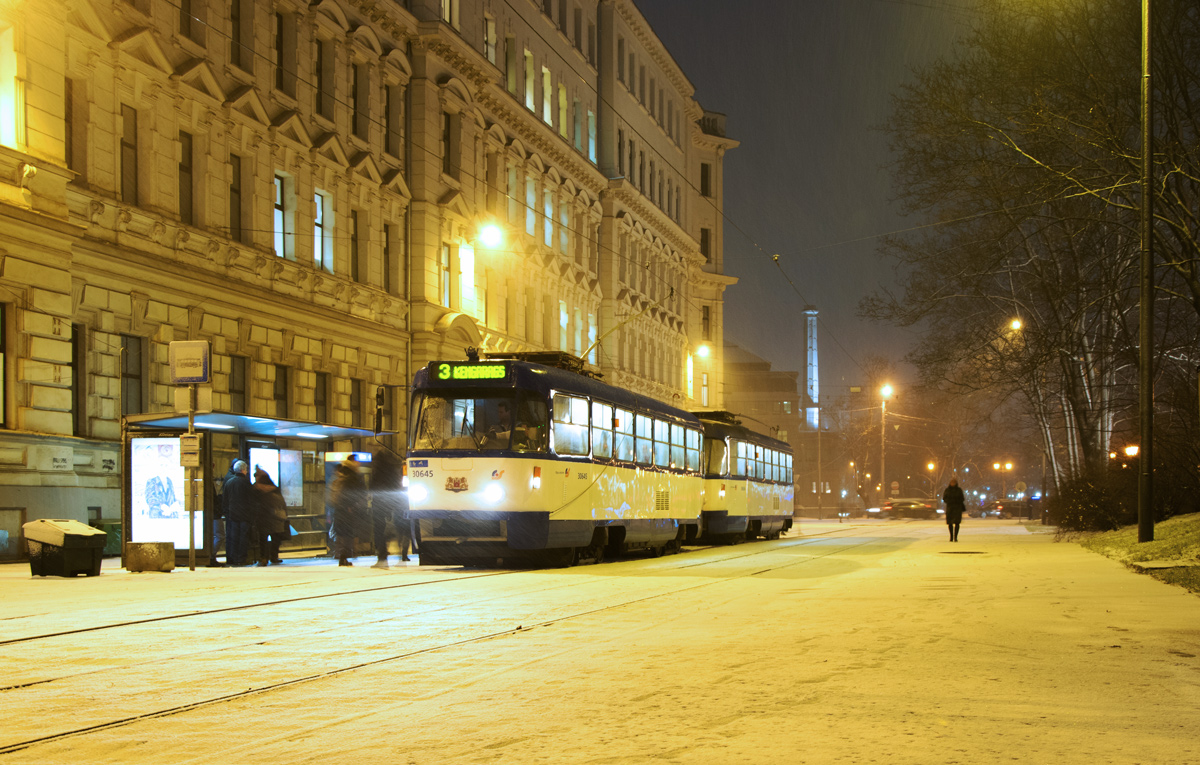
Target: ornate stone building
{"x": 304, "y": 186}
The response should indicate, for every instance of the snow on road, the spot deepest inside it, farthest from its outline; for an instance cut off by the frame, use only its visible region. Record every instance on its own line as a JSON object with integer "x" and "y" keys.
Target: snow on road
{"x": 877, "y": 642}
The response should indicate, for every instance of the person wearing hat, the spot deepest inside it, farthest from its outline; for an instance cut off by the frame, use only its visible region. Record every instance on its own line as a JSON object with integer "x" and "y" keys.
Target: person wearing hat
{"x": 241, "y": 510}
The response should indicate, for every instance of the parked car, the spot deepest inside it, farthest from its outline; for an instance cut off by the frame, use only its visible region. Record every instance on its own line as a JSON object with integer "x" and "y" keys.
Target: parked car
{"x": 909, "y": 508}
{"x": 1006, "y": 508}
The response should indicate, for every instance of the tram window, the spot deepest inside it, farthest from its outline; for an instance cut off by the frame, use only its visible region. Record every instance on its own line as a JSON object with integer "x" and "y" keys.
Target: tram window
{"x": 532, "y": 425}
{"x": 662, "y": 443}
{"x": 479, "y": 422}
{"x": 757, "y": 461}
{"x": 788, "y": 459}
{"x": 678, "y": 446}
{"x": 623, "y": 435}
{"x": 693, "y": 450}
{"x": 570, "y": 425}
{"x": 741, "y": 468}
{"x": 601, "y": 431}
{"x": 772, "y": 467}
{"x": 644, "y": 442}
{"x": 718, "y": 456}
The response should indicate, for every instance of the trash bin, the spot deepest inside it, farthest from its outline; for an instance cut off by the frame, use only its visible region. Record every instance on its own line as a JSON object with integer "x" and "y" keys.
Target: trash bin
{"x": 63, "y": 548}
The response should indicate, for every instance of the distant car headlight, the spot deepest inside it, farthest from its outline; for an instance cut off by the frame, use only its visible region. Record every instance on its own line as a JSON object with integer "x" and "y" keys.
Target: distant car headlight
{"x": 417, "y": 493}
{"x": 493, "y": 494}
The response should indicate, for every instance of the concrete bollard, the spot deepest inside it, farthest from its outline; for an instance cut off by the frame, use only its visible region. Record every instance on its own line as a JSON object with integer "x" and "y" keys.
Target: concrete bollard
{"x": 149, "y": 556}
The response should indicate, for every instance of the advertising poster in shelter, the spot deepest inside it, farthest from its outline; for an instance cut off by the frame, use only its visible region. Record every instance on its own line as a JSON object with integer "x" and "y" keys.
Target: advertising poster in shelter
{"x": 286, "y": 469}
{"x": 156, "y": 487}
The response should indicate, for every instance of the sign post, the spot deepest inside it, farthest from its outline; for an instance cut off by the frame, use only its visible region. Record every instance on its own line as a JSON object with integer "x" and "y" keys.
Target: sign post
{"x": 190, "y": 364}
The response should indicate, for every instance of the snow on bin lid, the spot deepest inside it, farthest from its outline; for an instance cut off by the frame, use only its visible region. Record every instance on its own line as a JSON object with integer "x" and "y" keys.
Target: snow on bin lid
{"x": 51, "y": 531}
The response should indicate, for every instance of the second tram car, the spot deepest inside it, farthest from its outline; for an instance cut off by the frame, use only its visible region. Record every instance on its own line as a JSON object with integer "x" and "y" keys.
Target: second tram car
{"x": 748, "y": 488}
{"x": 510, "y": 459}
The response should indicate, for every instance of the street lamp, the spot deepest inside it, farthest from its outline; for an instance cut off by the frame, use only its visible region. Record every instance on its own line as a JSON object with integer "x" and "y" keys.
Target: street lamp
{"x": 885, "y": 393}
{"x": 1003, "y": 469}
{"x": 931, "y": 466}
{"x": 1146, "y": 300}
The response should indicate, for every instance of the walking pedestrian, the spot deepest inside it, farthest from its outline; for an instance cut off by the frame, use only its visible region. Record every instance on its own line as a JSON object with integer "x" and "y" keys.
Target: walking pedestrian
{"x": 389, "y": 503}
{"x": 955, "y": 506}
{"x": 272, "y": 518}
{"x": 241, "y": 507}
{"x": 349, "y": 495}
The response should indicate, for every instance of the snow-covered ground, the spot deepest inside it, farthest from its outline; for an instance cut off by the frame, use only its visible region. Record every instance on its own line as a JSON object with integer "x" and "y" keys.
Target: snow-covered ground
{"x": 865, "y": 642}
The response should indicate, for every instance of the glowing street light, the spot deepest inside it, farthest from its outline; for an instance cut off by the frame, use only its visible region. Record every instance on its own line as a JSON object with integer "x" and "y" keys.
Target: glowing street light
{"x": 491, "y": 235}
{"x": 885, "y": 393}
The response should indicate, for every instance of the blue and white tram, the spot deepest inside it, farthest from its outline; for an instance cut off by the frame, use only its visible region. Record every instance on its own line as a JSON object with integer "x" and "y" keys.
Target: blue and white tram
{"x": 748, "y": 489}
{"x": 511, "y": 460}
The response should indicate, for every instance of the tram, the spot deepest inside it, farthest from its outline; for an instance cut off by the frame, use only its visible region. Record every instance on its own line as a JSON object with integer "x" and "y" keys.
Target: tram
{"x": 748, "y": 488}
{"x": 513, "y": 460}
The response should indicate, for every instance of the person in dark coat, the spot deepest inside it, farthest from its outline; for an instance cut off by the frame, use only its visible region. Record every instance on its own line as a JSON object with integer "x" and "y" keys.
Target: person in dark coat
{"x": 389, "y": 502}
{"x": 241, "y": 508}
{"x": 955, "y": 506}
{"x": 273, "y": 526}
{"x": 349, "y": 499}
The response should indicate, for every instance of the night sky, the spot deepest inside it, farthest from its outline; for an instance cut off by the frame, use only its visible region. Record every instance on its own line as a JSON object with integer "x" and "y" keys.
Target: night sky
{"x": 805, "y": 85}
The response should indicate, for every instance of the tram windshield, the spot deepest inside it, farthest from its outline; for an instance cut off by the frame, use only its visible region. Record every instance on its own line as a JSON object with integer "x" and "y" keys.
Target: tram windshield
{"x": 481, "y": 421}
{"x": 717, "y": 457}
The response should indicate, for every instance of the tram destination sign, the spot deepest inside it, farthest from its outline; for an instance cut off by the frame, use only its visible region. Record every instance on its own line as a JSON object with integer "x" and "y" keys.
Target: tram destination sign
{"x": 444, "y": 371}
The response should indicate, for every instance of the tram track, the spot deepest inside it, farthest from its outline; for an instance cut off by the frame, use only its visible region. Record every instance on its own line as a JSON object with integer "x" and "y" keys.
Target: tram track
{"x": 304, "y": 598}
{"x": 442, "y": 645}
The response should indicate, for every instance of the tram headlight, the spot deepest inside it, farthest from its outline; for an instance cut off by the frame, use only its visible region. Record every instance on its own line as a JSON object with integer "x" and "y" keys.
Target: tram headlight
{"x": 493, "y": 494}
{"x": 536, "y": 481}
{"x": 721, "y": 493}
{"x": 417, "y": 493}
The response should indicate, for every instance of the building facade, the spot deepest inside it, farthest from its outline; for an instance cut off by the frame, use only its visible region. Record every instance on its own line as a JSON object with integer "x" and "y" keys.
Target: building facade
{"x": 304, "y": 186}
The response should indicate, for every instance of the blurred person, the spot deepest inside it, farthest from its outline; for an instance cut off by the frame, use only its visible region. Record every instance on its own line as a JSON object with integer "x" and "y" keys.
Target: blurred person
{"x": 956, "y": 505}
{"x": 241, "y": 508}
{"x": 272, "y": 518}
{"x": 349, "y": 495}
{"x": 389, "y": 502}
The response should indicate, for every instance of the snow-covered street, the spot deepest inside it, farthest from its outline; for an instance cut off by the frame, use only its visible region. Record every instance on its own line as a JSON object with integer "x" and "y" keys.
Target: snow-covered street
{"x": 870, "y": 642}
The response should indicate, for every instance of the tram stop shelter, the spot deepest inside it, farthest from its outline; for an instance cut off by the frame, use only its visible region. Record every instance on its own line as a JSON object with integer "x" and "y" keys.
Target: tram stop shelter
{"x": 299, "y": 456}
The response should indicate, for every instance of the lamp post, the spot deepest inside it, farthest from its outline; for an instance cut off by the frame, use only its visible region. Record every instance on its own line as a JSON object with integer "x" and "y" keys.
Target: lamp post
{"x": 1003, "y": 469}
{"x": 931, "y": 467}
{"x": 1146, "y": 300}
{"x": 885, "y": 393}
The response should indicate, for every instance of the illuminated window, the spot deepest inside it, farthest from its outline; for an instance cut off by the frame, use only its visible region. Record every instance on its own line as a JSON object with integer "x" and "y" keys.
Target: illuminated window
{"x": 444, "y": 275}
{"x": 564, "y": 320}
{"x": 530, "y": 85}
{"x": 578, "y": 332}
{"x": 591, "y": 336}
{"x": 466, "y": 278}
{"x": 704, "y": 389}
{"x": 322, "y": 232}
{"x": 489, "y": 38}
{"x": 530, "y": 207}
{"x": 548, "y": 217}
{"x": 563, "y": 123}
{"x": 591, "y": 136}
{"x": 547, "y": 97}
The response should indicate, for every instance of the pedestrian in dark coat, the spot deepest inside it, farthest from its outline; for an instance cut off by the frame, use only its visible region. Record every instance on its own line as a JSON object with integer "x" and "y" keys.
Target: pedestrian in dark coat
{"x": 272, "y": 518}
{"x": 349, "y": 499}
{"x": 241, "y": 510}
{"x": 389, "y": 503}
{"x": 955, "y": 506}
